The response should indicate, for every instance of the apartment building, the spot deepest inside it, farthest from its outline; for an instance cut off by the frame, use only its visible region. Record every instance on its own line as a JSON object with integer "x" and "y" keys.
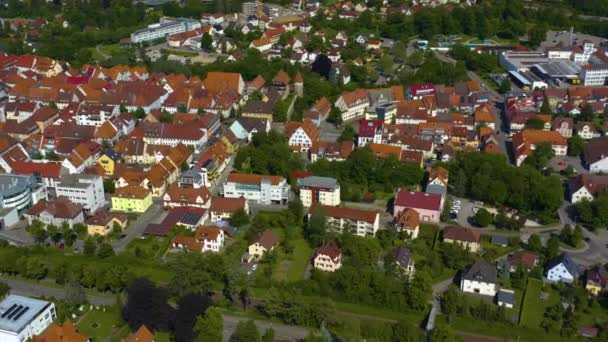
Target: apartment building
{"x": 165, "y": 27}
{"x": 360, "y": 222}
{"x": 85, "y": 190}
{"x": 319, "y": 190}
{"x": 263, "y": 189}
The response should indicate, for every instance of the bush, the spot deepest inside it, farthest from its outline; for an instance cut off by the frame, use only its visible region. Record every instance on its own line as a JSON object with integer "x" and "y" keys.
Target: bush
{"x": 483, "y": 218}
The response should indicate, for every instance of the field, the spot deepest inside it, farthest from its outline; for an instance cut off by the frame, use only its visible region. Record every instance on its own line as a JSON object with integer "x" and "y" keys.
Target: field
{"x": 149, "y": 247}
{"x": 533, "y": 307}
{"x": 97, "y": 324}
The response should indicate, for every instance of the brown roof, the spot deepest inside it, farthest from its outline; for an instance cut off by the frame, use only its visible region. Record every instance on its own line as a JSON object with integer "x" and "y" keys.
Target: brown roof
{"x": 462, "y": 234}
{"x": 187, "y": 195}
{"x": 351, "y": 97}
{"x": 407, "y": 218}
{"x": 439, "y": 172}
{"x": 311, "y": 130}
{"x": 216, "y": 81}
{"x": 103, "y": 218}
{"x": 61, "y": 333}
{"x": 333, "y": 149}
{"x": 247, "y": 178}
{"x": 141, "y": 335}
{"x": 368, "y": 216}
{"x": 523, "y": 139}
{"x": 281, "y": 78}
{"x": 330, "y": 249}
{"x": 227, "y": 205}
{"x": 384, "y": 150}
{"x": 61, "y": 207}
{"x": 207, "y": 233}
{"x": 485, "y": 113}
{"x": 266, "y": 239}
{"x": 596, "y": 149}
{"x": 131, "y": 192}
{"x": 523, "y": 258}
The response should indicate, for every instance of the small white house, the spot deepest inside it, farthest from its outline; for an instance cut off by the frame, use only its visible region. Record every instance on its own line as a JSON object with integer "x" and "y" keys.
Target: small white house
{"x": 561, "y": 269}
{"x": 479, "y": 278}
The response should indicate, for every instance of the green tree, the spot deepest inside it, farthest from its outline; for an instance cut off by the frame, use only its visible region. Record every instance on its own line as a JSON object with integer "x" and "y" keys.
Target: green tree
{"x": 74, "y": 294}
{"x": 4, "y": 290}
{"x": 139, "y": 113}
{"x": 552, "y": 249}
{"x": 109, "y": 186}
{"x": 534, "y": 243}
{"x": 576, "y": 145}
{"x": 444, "y": 334}
{"x": 535, "y": 123}
{"x": 239, "y": 218}
{"x": 541, "y": 156}
{"x": 335, "y": 116}
{"x": 246, "y": 331}
{"x": 316, "y": 229}
{"x": 348, "y": 134}
{"x": 399, "y": 50}
{"x": 210, "y": 326}
{"x": 545, "y": 108}
{"x": 505, "y": 86}
{"x": 206, "y": 42}
{"x": 268, "y": 335}
{"x": 89, "y": 247}
{"x": 483, "y": 218}
{"x": 105, "y": 250}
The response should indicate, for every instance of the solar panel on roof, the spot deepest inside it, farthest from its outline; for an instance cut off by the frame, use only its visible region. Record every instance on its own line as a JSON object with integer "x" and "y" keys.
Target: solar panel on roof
{"x": 24, "y": 310}
{"x": 7, "y": 312}
{"x": 14, "y": 312}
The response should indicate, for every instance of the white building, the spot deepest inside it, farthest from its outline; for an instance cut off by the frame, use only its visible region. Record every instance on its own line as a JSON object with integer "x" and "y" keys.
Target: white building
{"x": 328, "y": 257}
{"x": 479, "y": 278}
{"x": 21, "y": 318}
{"x": 319, "y": 190}
{"x": 594, "y": 75}
{"x": 206, "y": 239}
{"x": 353, "y": 104}
{"x": 561, "y": 269}
{"x": 165, "y": 27}
{"x": 174, "y": 134}
{"x": 95, "y": 114}
{"x": 263, "y": 189}
{"x": 86, "y": 190}
{"x": 19, "y": 192}
{"x": 359, "y": 222}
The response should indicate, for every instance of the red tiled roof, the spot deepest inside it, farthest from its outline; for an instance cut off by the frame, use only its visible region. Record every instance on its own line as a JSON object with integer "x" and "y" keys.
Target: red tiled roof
{"x": 227, "y": 205}
{"x": 421, "y": 200}
{"x": 266, "y": 239}
{"x": 462, "y": 234}
{"x": 48, "y": 170}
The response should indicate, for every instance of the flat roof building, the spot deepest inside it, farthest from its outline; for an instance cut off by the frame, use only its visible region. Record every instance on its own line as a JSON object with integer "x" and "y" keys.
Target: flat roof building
{"x": 22, "y": 317}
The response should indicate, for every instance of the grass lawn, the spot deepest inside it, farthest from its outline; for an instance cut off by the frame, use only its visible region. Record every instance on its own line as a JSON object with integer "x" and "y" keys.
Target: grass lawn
{"x": 179, "y": 53}
{"x": 99, "y": 325}
{"x": 149, "y": 247}
{"x": 301, "y": 256}
{"x": 533, "y": 307}
{"x": 563, "y": 245}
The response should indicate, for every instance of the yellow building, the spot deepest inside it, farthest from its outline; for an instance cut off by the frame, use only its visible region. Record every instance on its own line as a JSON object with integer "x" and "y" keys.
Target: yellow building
{"x": 108, "y": 161}
{"x": 103, "y": 222}
{"x": 131, "y": 199}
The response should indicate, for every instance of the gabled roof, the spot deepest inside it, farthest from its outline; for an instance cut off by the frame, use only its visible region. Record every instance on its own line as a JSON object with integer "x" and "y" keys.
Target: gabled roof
{"x": 421, "y": 200}
{"x": 354, "y": 214}
{"x": 311, "y": 130}
{"x": 266, "y": 239}
{"x": 142, "y": 334}
{"x": 592, "y": 182}
{"x": 227, "y": 205}
{"x": 407, "y": 219}
{"x": 564, "y": 259}
{"x": 187, "y": 195}
{"x": 330, "y": 249}
{"x": 61, "y": 333}
{"x": 462, "y": 234}
{"x": 47, "y": 170}
{"x": 402, "y": 256}
{"x": 481, "y": 272}
{"x": 596, "y": 149}
{"x": 523, "y": 258}
{"x": 135, "y": 192}
{"x": 248, "y": 178}
{"x": 61, "y": 207}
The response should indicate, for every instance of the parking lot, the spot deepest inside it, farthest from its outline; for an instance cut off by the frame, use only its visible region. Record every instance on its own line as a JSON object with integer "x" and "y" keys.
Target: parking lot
{"x": 461, "y": 209}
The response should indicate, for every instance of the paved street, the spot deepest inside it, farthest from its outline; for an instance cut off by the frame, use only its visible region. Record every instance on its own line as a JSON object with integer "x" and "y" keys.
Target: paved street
{"x": 155, "y": 214}
{"x": 24, "y": 288}
{"x": 282, "y": 332}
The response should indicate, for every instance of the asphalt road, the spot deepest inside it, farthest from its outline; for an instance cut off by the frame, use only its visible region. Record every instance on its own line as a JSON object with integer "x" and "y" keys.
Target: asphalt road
{"x": 282, "y": 332}
{"x": 154, "y": 214}
{"x": 24, "y": 288}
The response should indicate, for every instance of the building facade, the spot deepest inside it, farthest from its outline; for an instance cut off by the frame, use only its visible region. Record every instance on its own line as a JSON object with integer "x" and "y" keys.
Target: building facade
{"x": 86, "y": 190}
{"x": 21, "y": 318}
{"x": 263, "y": 189}
{"x": 319, "y": 190}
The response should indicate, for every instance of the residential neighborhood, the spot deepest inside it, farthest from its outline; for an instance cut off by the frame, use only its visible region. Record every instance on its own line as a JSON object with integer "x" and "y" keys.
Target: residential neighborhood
{"x": 426, "y": 170}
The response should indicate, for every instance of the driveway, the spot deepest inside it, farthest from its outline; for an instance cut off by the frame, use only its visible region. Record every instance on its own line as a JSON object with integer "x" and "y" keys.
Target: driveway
{"x": 154, "y": 214}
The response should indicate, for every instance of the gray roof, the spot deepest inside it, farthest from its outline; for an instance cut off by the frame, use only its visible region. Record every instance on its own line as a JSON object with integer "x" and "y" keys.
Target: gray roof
{"x": 319, "y": 182}
{"x": 11, "y": 185}
{"x": 480, "y": 271}
{"x": 17, "y": 311}
{"x": 566, "y": 261}
{"x": 436, "y": 189}
{"x": 500, "y": 240}
{"x": 76, "y": 181}
{"x": 249, "y": 124}
{"x": 506, "y": 297}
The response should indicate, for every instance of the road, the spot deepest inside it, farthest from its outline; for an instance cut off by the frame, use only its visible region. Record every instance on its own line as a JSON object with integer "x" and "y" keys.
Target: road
{"x": 154, "y": 214}
{"x": 282, "y": 332}
{"x": 24, "y": 288}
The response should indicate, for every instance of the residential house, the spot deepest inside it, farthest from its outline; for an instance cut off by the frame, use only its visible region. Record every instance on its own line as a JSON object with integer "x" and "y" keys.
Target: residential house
{"x": 525, "y": 142}
{"x": 561, "y": 269}
{"x": 328, "y": 257}
{"x": 319, "y": 190}
{"x": 505, "y": 298}
{"x": 143, "y": 334}
{"x": 467, "y": 238}
{"x": 438, "y": 176}
{"x": 131, "y": 199}
{"x": 585, "y": 130}
{"x": 360, "y": 222}
{"x": 211, "y": 163}
{"x": 319, "y": 111}
{"x": 55, "y": 212}
{"x": 222, "y": 208}
{"x": 217, "y": 82}
{"x": 172, "y": 135}
{"x": 205, "y": 239}
{"x": 331, "y": 151}
{"x": 485, "y": 116}
{"x": 108, "y": 161}
{"x": 177, "y": 196}
{"x": 404, "y": 261}
{"x": 586, "y": 187}
{"x": 263, "y": 189}
{"x": 83, "y": 156}
{"x": 479, "y": 278}
{"x": 245, "y": 128}
{"x": 103, "y": 222}
{"x": 353, "y": 104}
{"x": 564, "y": 125}
{"x": 57, "y": 333}
{"x": 522, "y": 259}
{"x": 85, "y": 190}
{"x": 264, "y": 242}
{"x": 428, "y": 206}
{"x": 301, "y": 135}
{"x": 370, "y": 131}
{"x": 408, "y": 221}
{"x": 596, "y": 280}
{"x": 596, "y": 154}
